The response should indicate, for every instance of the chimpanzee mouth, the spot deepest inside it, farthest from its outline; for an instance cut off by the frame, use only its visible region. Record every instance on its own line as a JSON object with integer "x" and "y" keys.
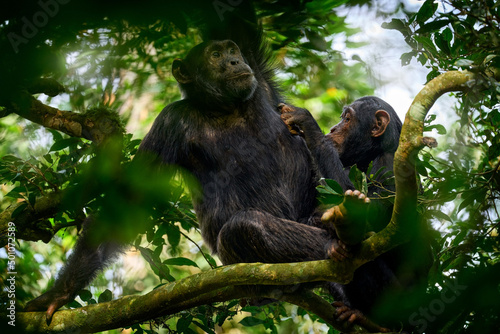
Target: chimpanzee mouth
{"x": 240, "y": 75}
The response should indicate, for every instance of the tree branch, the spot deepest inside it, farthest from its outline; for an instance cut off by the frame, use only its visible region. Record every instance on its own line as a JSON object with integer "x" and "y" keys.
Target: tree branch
{"x": 221, "y": 284}
{"x": 46, "y": 86}
{"x": 404, "y": 216}
{"x": 26, "y": 229}
{"x": 92, "y": 125}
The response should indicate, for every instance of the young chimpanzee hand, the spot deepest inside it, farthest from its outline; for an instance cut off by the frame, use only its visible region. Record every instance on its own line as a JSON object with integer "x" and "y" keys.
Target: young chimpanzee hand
{"x": 300, "y": 122}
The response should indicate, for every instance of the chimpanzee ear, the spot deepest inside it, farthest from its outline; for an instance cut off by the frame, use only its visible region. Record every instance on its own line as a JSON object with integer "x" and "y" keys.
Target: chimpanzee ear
{"x": 180, "y": 72}
{"x": 382, "y": 119}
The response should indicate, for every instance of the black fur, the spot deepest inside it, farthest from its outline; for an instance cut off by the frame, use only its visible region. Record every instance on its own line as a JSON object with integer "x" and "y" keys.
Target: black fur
{"x": 383, "y": 289}
{"x": 254, "y": 174}
{"x": 257, "y": 180}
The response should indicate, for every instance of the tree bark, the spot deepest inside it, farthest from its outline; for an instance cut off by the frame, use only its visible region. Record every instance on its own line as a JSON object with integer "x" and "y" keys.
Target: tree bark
{"x": 94, "y": 126}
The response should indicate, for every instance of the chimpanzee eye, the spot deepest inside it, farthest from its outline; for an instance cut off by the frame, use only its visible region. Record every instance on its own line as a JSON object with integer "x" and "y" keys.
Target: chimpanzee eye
{"x": 232, "y": 51}
{"x": 215, "y": 54}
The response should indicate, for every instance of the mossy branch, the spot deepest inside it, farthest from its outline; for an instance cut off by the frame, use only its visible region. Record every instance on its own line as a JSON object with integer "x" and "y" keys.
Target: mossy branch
{"x": 31, "y": 224}
{"x": 404, "y": 216}
{"x": 94, "y": 126}
{"x": 221, "y": 284}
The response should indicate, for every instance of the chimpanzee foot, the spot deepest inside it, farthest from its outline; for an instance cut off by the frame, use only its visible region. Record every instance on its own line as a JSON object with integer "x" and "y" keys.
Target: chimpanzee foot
{"x": 349, "y": 217}
{"x": 50, "y": 302}
{"x": 353, "y": 316}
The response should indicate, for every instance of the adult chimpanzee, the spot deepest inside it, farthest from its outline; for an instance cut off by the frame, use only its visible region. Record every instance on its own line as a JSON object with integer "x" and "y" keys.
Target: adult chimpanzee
{"x": 368, "y": 133}
{"x": 257, "y": 180}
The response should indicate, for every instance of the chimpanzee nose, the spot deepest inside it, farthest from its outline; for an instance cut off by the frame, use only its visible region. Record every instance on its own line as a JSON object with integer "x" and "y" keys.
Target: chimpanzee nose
{"x": 234, "y": 62}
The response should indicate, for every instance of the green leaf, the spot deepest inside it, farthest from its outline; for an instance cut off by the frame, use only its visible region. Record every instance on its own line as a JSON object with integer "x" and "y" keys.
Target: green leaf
{"x": 441, "y": 43}
{"x": 407, "y": 57}
{"x": 426, "y": 11}
{"x": 358, "y": 178}
{"x": 440, "y": 128}
{"x": 183, "y": 323}
{"x": 432, "y": 26}
{"x": 464, "y": 62}
{"x": 157, "y": 252}
{"x": 459, "y": 238}
{"x": 395, "y": 24}
{"x": 430, "y": 118}
{"x": 432, "y": 74}
{"x": 161, "y": 270}
{"x": 106, "y": 296}
{"x": 427, "y": 44}
{"x": 421, "y": 169}
{"x": 251, "y": 321}
{"x": 48, "y": 158}
{"x": 75, "y": 304}
{"x": 173, "y": 234}
{"x": 64, "y": 143}
{"x": 85, "y": 295}
{"x": 467, "y": 200}
{"x": 56, "y": 135}
{"x": 16, "y": 192}
{"x": 211, "y": 260}
{"x": 180, "y": 261}
{"x": 439, "y": 215}
{"x": 489, "y": 58}
{"x": 447, "y": 35}
{"x": 334, "y": 186}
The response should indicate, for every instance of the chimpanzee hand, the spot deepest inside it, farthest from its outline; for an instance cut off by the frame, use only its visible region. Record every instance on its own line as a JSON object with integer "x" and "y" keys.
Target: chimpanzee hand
{"x": 338, "y": 251}
{"x": 352, "y": 316}
{"x": 349, "y": 218}
{"x": 291, "y": 116}
{"x": 300, "y": 121}
{"x": 50, "y": 301}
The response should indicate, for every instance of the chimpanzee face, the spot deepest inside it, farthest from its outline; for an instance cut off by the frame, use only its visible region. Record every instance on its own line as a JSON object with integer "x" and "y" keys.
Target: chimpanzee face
{"x": 358, "y": 136}
{"x": 226, "y": 67}
{"x": 218, "y": 70}
{"x": 341, "y": 133}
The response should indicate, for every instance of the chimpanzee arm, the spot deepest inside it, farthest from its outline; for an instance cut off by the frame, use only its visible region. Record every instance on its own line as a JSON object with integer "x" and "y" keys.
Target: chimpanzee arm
{"x": 324, "y": 153}
{"x": 166, "y": 139}
{"x": 89, "y": 258}
{"x": 83, "y": 265}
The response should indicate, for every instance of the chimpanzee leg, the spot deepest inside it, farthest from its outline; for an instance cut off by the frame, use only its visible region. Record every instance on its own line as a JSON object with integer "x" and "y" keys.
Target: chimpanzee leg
{"x": 256, "y": 236}
{"x": 82, "y": 266}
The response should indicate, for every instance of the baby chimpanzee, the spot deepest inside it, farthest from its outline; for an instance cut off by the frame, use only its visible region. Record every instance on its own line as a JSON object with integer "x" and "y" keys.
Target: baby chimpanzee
{"x": 367, "y": 133}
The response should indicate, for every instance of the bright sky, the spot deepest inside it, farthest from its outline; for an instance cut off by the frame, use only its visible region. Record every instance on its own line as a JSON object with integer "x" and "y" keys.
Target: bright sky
{"x": 383, "y": 52}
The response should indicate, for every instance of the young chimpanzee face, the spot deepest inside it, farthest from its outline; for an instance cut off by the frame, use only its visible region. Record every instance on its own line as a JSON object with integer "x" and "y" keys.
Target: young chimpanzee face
{"x": 340, "y": 132}
{"x": 358, "y": 137}
{"x": 216, "y": 70}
